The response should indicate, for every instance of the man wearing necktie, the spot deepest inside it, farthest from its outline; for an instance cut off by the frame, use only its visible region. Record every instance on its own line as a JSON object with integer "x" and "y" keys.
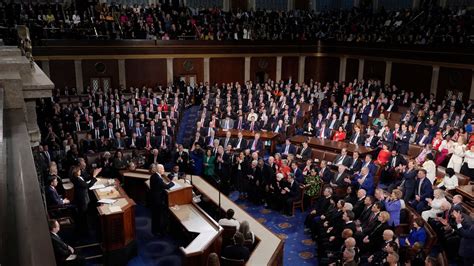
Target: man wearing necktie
{"x": 256, "y": 143}
{"x": 110, "y": 131}
{"x": 138, "y": 130}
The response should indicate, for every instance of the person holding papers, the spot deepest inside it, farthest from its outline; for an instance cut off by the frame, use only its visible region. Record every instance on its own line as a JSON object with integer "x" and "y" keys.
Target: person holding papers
{"x": 64, "y": 254}
{"x": 159, "y": 200}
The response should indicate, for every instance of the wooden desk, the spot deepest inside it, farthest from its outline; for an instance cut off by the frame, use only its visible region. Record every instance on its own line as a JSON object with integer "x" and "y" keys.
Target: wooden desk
{"x": 118, "y": 228}
{"x": 467, "y": 193}
{"x": 195, "y": 220}
{"x": 247, "y": 134}
{"x": 330, "y": 145}
{"x": 141, "y": 182}
{"x": 269, "y": 250}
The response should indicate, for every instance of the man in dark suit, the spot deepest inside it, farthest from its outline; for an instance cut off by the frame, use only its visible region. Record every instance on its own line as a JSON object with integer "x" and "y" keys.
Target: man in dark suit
{"x": 403, "y": 140}
{"x": 181, "y": 158}
{"x": 288, "y": 148}
{"x": 305, "y": 152}
{"x": 423, "y": 191}
{"x": 134, "y": 142}
{"x": 341, "y": 178}
{"x": 466, "y": 232}
{"x": 196, "y": 139}
{"x": 256, "y": 145}
{"x": 323, "y": 132}
{"x": 371, "y": 140}
{"x": 164, "y": 141}
{"x": 324, "y": 172}
{"x": 343, "y": 159}
{"x": 52, "y": 196}
{"x": 240, "y": 143}
{"x": 64, "y": 254}
{"x": 359, "y": 203}
{"x": 356, "y": 163}
{"x": 138, "y": 130}
{"x": 291, "y": 194}
{"x": 357, "y": 137}
{"x": 109, "y": 132}
{"x": 424, "y": 138}
{"x": 237, "y": 251}
{"x": 387, "y": 177}
{"x": 224, "y": 142}
{"x": 408, "y": 181}
{"x": 159, "y": 199}
{"x": 297, "y": 173}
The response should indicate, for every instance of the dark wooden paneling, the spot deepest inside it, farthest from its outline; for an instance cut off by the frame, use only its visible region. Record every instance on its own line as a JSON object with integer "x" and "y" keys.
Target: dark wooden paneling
{"x": 62, "y": 73}
{"x": 374, "y": 70}
{"x": 266, "y": 65}
{"x": 412, "y": 77}
{"x": 321, "y": 69}
{"x": 289, "y": 67}
{"x": 189, "y": 66}
{"x": 145, "y": 72}
{"x": 238, "y": 4}
{"x": 227, "y": 69}
{"x": 455, "y": 79}
{"x": 352, "y": 69}
{"x": 111, "y": 71}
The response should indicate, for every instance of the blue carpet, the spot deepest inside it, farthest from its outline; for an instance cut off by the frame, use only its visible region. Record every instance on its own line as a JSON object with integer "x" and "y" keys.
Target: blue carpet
{"x": 152, "y": 251}
{"x": 188, "y": 121}
{"x": 299, "y": 248}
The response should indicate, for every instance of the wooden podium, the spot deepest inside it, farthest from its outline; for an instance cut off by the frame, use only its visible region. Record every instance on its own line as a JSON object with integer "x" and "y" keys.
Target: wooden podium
{"x": 117, "y": 220}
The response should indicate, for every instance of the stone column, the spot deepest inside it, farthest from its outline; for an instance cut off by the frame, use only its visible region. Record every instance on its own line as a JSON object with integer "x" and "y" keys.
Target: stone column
{"x": 388, "y": 72}
{"x": 252, "y": 5}
{"x": 79, "y": 78}
{"x": 375, "y": 5}
{"x": 169, "y": 70}
{"x": 278, "y": 68}
{"x": 442, "y": 3}
{"x": 301, "y": 66}
{"x": 342, "y": 68}
{"x": 226, "y": 5}
{"x": 415, "y": 4}
{"x": 23, "y": 83}
{"x": 434, "y": 80}
{"x": 291, "y": 5}
{"x": 247, "y": 69}
{"x": 45, "y": 67}
{"x": 360, "y": 76}
{"x": 207, "y": 76}
{"x": 122, "y": 73}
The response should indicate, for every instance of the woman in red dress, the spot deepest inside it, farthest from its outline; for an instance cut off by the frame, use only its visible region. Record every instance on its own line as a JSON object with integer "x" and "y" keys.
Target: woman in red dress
{"x": 384, "y": 155}
{"x": 340, "y": 135}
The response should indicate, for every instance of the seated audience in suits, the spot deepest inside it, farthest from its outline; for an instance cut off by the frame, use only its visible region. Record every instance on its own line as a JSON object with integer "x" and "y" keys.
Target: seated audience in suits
{"x": 64, "y": 254}
{"x": 287, "y": 148}
{"x": 52, "y": 196}
{"x": 343, "y": 158}
{"x": 237, "y": 251}
{"x": 229, "y": 219}
{"x": 305, "y": 153}
{"x": 423, "y": 191}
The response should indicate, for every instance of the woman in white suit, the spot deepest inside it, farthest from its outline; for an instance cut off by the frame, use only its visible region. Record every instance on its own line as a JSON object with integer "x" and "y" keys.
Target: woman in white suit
{"x": 459, "y": 148}
{"x": 430, "y": 168}
{"x": 435, "y": 205}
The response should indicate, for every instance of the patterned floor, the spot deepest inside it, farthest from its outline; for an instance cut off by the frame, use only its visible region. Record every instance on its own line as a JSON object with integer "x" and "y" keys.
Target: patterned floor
{"x": 299, "y": 248}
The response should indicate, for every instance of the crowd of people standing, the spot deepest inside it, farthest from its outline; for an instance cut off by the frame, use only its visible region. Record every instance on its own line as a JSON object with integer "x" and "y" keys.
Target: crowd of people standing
{"x": 429, "y": 25}
{"x": 358, "y": 224}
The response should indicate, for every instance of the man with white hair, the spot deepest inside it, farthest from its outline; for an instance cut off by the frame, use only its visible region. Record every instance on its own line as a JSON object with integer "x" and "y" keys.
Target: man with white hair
{"x": 159, "y": 199}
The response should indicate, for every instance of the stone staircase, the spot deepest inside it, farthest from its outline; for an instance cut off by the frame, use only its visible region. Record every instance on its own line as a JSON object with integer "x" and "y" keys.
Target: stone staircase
{"x": 23, "y": 83}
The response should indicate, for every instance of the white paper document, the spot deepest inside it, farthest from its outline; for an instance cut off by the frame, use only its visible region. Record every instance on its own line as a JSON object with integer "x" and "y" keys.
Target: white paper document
{"x": 176, "y": 186}
{"x": 106, "y": 189}
{"x": 107, "y": 201}
{"x": 97, "y": 186}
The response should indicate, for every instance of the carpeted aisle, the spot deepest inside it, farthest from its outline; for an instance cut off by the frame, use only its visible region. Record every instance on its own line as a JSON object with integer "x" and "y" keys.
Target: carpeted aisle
{"x": 299, "y": 248}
